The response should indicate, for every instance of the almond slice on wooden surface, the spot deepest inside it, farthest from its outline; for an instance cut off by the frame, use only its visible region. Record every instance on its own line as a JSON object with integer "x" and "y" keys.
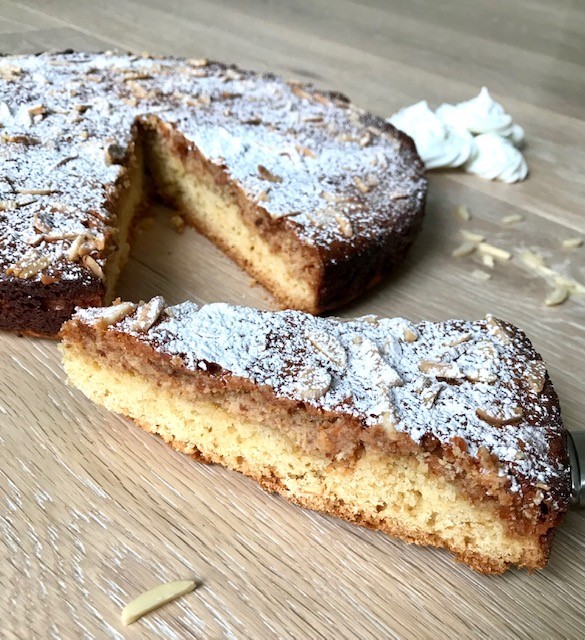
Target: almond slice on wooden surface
{"x": 155, "y": 598}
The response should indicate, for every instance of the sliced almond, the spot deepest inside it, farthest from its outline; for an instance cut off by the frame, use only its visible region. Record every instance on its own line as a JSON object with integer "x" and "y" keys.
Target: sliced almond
{"x": 513, "y": 218}
{"x": 344, "y": 225}
{"x": 28, "y": 266}
{"x": 93, "y": 266}
{"x": 466, "y": 248}
{"x": 409, "y": 335}
{"x": 265, "y": 174}
{"x": 147, "y": 314}
{"x": 329, "y": 346}
{"x": 557, "y": 296}
{"x": 535, "y": 375}
{"x": 479, "y": 274}
{"x": 304, "y": 151}
{"x": 464, "y": 337}
{"x": 572, "y": 243}
{"x": 365, "y": 139}
{"x": 500, "y": 420}
{"x": 448, "y": 370}
{"x": 115, "y": 313}
{"x": 155, "y": 598}
{"x": 497, "y": 252}
{"x": 313, "y": 383}
{"x": 198, "y": 62}
{"x": 361, "y": 185}
{"x": 496, "y": 328}
{"x": 36, "y": 192}
{"x": 472, "y": 236}
{"x": 463, "y": 213}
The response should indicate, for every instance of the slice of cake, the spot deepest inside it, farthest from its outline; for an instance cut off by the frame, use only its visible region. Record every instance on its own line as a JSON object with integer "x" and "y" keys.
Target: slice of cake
{"x": 447, "y": 434}
{"x": 315, "y": 198}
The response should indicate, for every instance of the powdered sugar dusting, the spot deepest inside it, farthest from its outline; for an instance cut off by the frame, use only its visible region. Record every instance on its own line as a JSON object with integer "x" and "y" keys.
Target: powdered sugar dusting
{"x": 66, "y": 119}
{"x": 478, "y": 389}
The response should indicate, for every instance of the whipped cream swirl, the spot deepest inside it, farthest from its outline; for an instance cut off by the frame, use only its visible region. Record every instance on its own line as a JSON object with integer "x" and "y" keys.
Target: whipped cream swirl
{"x": 497, "y": 159}
{"x": 482, "y": 114}
{"x": 438, "y": 144}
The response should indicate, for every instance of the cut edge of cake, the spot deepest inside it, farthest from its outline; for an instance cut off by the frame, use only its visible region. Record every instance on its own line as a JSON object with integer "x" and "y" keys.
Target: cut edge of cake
{"x": 287, "y": 447}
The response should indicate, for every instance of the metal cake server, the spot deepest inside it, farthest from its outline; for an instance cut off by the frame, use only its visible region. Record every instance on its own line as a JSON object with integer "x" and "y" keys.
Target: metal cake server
{"x": 576, "y": 444}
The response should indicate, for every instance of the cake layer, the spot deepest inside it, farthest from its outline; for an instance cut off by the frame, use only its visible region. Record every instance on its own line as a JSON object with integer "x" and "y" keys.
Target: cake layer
{"x": 440, "y": 433}
{"x": 317, "y": 198}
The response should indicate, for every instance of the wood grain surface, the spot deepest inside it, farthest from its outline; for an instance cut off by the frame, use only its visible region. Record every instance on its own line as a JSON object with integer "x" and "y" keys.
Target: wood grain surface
{"x": 93, "y": 511}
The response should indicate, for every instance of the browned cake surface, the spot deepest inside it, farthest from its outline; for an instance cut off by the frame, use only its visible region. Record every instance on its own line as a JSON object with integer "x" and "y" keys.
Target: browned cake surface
{"x": 470, "y": 402}
{"x": 339, "y": 184}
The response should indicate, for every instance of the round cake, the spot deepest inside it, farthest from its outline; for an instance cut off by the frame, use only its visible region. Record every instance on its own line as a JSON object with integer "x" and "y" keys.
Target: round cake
{"x": 315, "y": 198}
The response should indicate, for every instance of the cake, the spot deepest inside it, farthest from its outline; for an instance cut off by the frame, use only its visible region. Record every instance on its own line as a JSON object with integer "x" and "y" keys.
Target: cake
{"x": 314, "y": 197}
{"x": 446, "y": 434}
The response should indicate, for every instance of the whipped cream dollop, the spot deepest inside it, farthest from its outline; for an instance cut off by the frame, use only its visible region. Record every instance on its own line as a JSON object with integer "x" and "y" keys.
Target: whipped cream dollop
{"x": 496, "y": 158}
{"x": 482, "y": 114}
{"x": 438, "y": 144}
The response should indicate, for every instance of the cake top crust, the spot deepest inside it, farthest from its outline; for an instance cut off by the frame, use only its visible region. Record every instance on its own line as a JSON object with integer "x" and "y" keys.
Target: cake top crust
{"x": 310, "y": 159}
{"x": 480, "y": 383}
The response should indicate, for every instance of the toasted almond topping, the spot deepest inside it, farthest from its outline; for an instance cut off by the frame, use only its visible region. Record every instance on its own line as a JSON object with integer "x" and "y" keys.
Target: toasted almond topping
{"x": 464, "y": 337}
{"x": 111, "y": 315}
{"x": 557, "y": 296}
{"x": 198, "y": 62}
{"x": 535, "y": 375}
{"x": 147, "y": 314}
{"x": 28, "y": 266}
{"x": 472, "y": 236}
{"x": 463, "y": 213}
{"x": 389, "y": 420}
{"x": 410, "y": 335}
{"x": 330, "y": 347}
{"x": 430, "y": 394}
{"x": 250, "y": 121}
{"x": 64, "y": 161}
{"x": 496, "y": 252}
{"x": 155, "y": 598}
{"x": 305, "y": 152}
{"x": 478, "y": 274}
{"x": 313, "y": 119}
{"x": 344, "y": 225}
{"x": 84, "y": 135}
{"x": 448, "y": 370}
{"x": 365, "y": 139}
{"x": 500, "y": 421}
{"x": 464, "y": 249}
{"x": 313, "y": 383}
{"x": 37, "y": 110}
{"x": 298, "y": 90}
{"x": 263, "y": 196}
{"x": 496, "y": 328}
{"x": 20, "y": 138}
{"x": 399, "y": 195}
{"x": 136, "y": 76}
{"x": 93, "y": 266}
{"x": 361, "y": 185}
{"x": 36, "y": 192}
{"x": 513, "y": 218}
{"x": 265, "y": 174}
{"x": 572, "y": 243}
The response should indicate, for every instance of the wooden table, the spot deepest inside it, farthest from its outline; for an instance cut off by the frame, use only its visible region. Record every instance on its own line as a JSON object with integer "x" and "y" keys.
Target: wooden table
{"x": 93, "y": 510}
